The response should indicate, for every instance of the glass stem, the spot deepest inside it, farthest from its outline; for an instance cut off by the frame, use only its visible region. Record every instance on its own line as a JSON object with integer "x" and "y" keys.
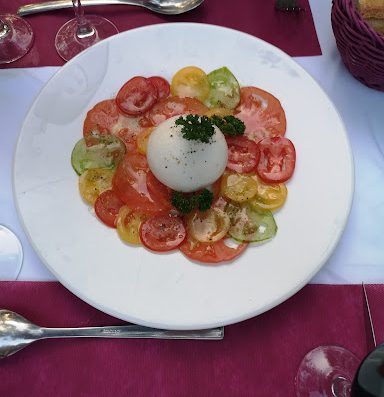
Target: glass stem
{"x": 341, "y": 387}
{"x": 84, "y": 29}
{"x": 4, "y": 29}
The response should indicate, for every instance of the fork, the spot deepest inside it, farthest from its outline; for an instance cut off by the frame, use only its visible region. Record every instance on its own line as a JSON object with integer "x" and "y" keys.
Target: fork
{"x": 288, "y": 5}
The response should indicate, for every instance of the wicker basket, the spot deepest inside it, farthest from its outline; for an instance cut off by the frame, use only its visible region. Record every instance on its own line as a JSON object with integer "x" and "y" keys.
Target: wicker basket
{"x": 361, "y": 48}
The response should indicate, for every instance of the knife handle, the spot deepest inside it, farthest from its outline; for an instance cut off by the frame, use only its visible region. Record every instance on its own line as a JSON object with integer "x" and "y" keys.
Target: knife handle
{"x": 58, "y": 5}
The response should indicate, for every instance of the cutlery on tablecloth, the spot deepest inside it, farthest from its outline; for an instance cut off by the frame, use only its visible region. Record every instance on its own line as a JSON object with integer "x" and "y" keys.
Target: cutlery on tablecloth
{"x": 372, "y": 336}
{"x": 159, "y": 6}
{"x": 16, "y": 332}
{"x": 287, "y": 5}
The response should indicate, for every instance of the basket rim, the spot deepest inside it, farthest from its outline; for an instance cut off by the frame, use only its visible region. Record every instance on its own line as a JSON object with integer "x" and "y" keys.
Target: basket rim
{"x": 348, "y": 7}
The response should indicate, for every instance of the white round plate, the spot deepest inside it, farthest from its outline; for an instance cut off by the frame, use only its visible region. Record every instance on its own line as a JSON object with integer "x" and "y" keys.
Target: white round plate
{"x": 168, "y": 290}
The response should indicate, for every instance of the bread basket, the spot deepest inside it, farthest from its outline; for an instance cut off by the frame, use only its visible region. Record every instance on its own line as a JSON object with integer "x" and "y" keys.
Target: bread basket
{"x": 360, "y": 47}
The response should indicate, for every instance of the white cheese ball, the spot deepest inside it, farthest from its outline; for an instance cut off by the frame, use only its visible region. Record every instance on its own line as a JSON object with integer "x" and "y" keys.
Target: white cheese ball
{"x": 185, "y": 165}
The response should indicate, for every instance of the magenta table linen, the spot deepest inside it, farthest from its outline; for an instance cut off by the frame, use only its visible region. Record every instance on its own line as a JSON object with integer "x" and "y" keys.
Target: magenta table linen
{"x": 257, "y": 358}
{"x": 294, "y": 33}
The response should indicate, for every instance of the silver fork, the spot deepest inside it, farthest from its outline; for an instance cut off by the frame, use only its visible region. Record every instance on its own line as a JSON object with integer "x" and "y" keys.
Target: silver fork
{"x": 288, "y": 5}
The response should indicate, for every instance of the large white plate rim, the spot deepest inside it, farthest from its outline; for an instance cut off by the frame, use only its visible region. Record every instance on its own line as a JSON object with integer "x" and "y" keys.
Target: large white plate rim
{"x": 205, "y": 324}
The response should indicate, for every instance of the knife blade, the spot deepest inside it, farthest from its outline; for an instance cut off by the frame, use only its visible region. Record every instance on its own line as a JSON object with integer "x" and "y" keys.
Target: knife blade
{"x": 371, "y": 337}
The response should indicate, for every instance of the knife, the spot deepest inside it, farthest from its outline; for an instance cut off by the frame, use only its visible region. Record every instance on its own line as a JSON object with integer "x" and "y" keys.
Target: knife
{"x": 371, "y": 340}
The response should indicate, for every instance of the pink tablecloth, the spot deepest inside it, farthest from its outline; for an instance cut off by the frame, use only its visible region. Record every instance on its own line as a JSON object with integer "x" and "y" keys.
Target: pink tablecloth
{"x": 292, "y": 32}
{"x": 257, "y": 358}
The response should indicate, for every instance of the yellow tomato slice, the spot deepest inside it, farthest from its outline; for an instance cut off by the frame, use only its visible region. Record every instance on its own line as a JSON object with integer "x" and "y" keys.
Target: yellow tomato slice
{"x": 237, "y": 187}
{"x": 128, "y": 225}
{"x": 192, "y": 82}
{"x": 208, "y": 226}
{"x": 269, "y": 197}
{"x": 142, "y": 140}
{"x": 221, "y": 112}
{"x": 94, "y": 181}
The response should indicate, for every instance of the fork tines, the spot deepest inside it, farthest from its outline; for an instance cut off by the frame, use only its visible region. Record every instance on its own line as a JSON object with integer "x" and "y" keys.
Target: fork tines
{"x": 287, "y": 5}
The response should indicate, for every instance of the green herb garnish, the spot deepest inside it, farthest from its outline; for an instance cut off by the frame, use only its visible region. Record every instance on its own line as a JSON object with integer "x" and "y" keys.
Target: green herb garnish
{"x": 229, "y": 125}
{"x": 185, "y": 204}
{"x": 198, "y": 128}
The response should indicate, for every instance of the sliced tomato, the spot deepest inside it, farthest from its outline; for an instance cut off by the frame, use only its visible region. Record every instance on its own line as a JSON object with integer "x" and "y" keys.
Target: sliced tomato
{"x": 277, "y": 159}
{"x": 142, "y": 140}
{"x": 221, "y": 112}
{"x": 269, "y": 196}
{"x": 249, "y": 224}
{"x": 238, "y": 187}
{"x": 173, "y": 106}
{"x": 138, "y": 188}
{"x": 106, "y": 152}
{"x": 128, "y": 128}
{"x": 128, "y": 225}
{"x": 224, "y": 89}
{"x": 137, "y": 96}
{"x": 211, "y": 252}
{"x": 243, "y": 154}
{"x": 93, "y": 182}
{"x": 100, "y": 120}
{"x": 162, "y": 85}
{"x": 162, "y": 232}
{"x": 208, "y": 226}
{"x": 107, "y": 206}
{"x": 261, "y": 113}
{"x": 160, "y": 193}
{"x": 191, "y": 82}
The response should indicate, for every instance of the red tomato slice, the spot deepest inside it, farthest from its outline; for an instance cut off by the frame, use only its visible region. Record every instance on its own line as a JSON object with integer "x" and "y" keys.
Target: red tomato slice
{"x": 107, "y": 206}
{"x": 162, "y": 232}
{"x": 173, "y": 106}
{"x": 277, "y": 159}
{"x": 137, "y": 188}
{"x": 160, "y": 193}
{"x": 162, "y": 85}
{"x": 128, "y": 127}
{"x": 243, "y": 154}
{"x": 136, "y": 96}
{"x": 261, "y": 113}
{"x": 211, "y": 252}
{"x": 100, "y": 119}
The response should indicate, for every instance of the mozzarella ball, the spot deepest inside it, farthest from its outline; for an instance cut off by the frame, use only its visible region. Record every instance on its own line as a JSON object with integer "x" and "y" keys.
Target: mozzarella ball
{"x": 185, "y": 165}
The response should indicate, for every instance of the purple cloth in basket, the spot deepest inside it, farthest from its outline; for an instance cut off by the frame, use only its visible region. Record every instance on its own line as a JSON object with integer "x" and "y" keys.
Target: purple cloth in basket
{"x": 294, "y": 33}
{"x": 258, "y": 357}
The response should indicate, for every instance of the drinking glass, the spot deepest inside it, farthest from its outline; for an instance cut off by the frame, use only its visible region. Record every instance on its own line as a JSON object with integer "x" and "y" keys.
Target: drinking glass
{"x": 332, "y": 371}
{"x": 11, "y": 254}
{"x": 326, "y": 371}
{"x": 82, "y": 32}
{"x": 16, "y": 38}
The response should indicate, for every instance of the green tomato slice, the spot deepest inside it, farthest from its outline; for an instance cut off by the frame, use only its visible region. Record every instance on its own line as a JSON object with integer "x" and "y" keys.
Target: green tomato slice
{"x": 106, "y": 152}
{"x": 225, "y": 89}
{"x": 250, "y": 225}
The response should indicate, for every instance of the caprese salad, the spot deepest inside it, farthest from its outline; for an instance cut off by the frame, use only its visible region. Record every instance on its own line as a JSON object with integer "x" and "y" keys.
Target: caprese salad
{"x": 197, "y": 164}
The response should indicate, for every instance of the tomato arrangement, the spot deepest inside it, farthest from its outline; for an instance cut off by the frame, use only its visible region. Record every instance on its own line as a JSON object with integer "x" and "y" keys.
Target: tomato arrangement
{"x": 115, "y": 178}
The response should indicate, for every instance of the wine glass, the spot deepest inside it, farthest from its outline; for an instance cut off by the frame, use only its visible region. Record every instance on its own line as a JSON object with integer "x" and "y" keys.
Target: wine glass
{"x": 11, "y": 254}
{"x": 82, "y": 32}
{"x": 16, "y": 38}
{"x": 326, "y": 371}
{"x": 333, "y": 371}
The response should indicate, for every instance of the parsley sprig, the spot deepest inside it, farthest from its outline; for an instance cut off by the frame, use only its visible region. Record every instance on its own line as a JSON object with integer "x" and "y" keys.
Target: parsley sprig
{"x": 200, "y": 128}
{"x": 186, "y": 203}
{"x": 229, "y": 125}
